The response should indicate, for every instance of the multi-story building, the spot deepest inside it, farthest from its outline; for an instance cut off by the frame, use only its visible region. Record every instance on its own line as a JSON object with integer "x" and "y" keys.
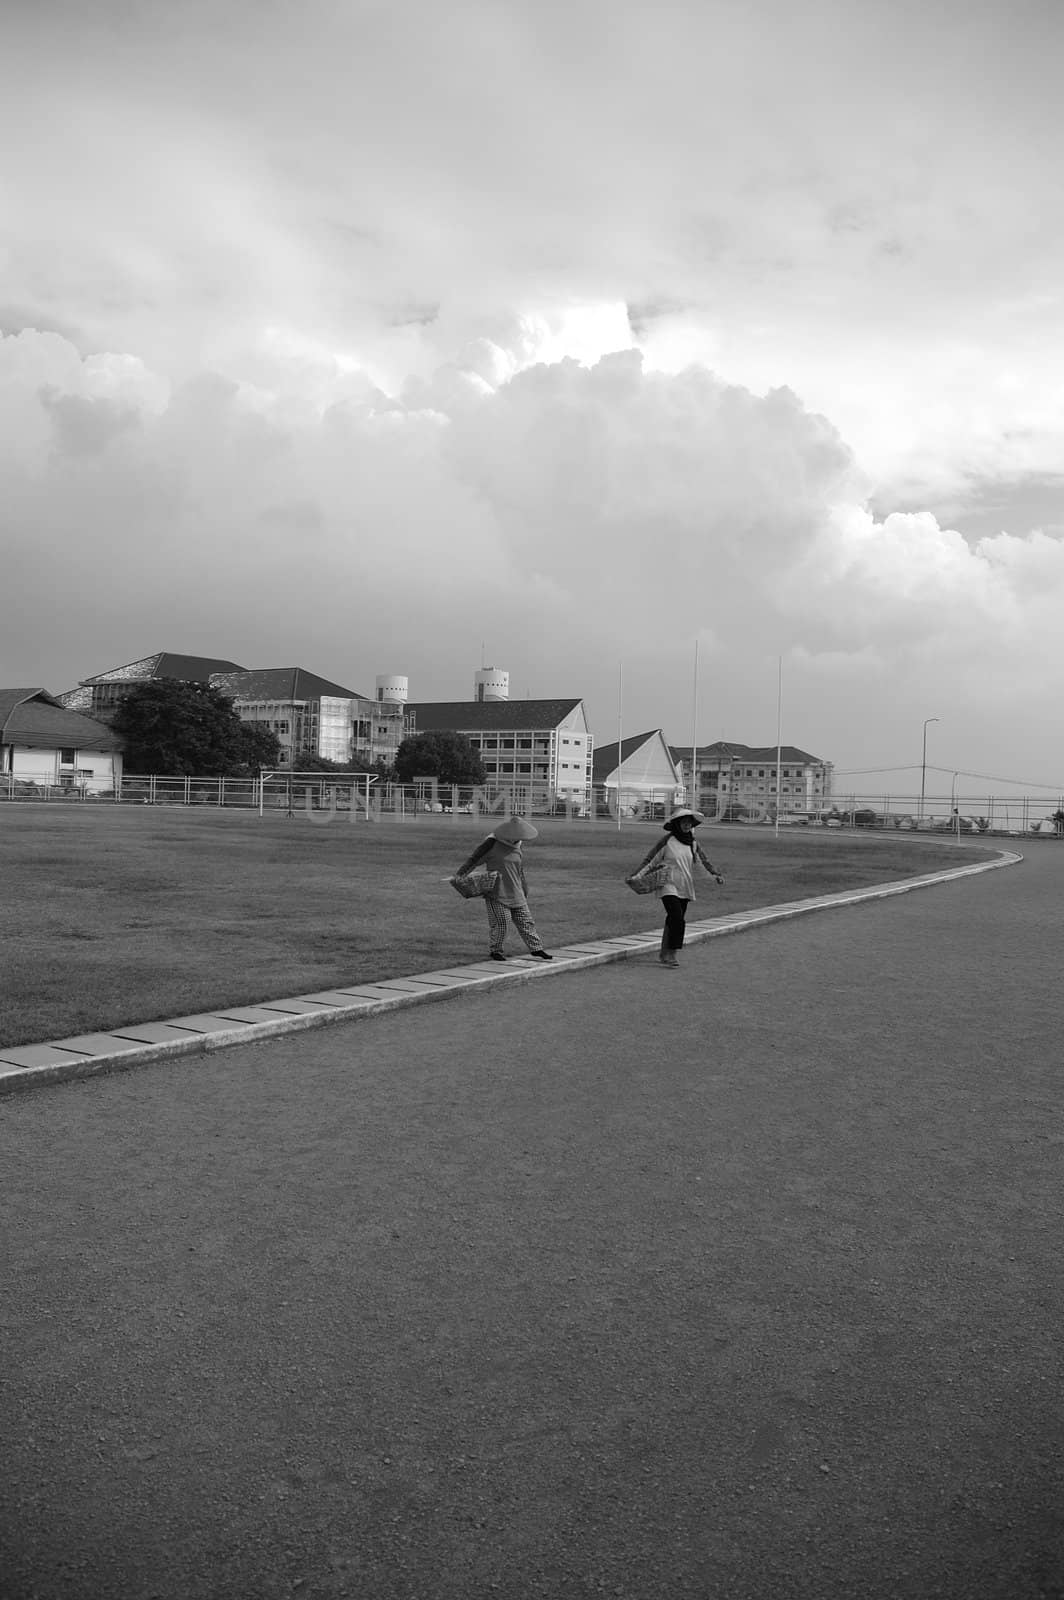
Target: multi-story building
{"x": 100, "y": 696}
{"x": 536, "y": 751}
{"x": 313, "y": 717}
{"x": 729, "y": 774}
{"x": 309, "y": 714}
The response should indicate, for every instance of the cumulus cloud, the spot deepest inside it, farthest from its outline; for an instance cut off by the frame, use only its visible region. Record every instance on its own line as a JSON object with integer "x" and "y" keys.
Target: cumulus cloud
{"x": 568, "y": 518}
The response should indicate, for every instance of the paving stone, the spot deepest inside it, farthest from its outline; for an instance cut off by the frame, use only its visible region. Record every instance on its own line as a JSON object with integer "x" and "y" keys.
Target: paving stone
{"x": 155, "y": 1033}
{"x": 249, "y": 1015}
{"x": 271, "y": 1010}
{"x": 98, "y": 1044}
{"x": 473, "y": 974}
{"x": 207, "y": 1022}
{"x": 39, "y": 1055}
{"x": 590, "y": 949}
{"x": 413, "y": 985}
{"x": 457, "y": 975}
{"x": 330, "y": 997}
{"x": 362, "y": 996}
{"x": 373, "y": 991}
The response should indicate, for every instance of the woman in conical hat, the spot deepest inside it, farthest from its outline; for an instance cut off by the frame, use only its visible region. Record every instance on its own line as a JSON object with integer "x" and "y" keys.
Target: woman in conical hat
{"x": 678, "y": 854}
{"x": 501, "y": 852}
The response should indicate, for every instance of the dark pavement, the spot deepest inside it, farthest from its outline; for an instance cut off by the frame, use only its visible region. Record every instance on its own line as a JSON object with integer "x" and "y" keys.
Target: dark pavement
{"x": 741, "y": 1282}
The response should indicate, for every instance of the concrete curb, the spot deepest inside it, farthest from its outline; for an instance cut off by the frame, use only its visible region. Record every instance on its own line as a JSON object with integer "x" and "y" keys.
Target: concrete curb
{"x": 89, "y": 1055}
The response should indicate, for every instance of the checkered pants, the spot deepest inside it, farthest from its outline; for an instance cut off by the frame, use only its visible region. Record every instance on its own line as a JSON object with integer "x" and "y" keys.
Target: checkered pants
{"x": 522, "y": 919}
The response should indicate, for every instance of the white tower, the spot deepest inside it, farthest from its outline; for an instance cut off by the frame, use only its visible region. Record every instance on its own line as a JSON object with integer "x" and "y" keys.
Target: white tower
{"x": 393, "y": 688}
{"x": 491, "y": 683}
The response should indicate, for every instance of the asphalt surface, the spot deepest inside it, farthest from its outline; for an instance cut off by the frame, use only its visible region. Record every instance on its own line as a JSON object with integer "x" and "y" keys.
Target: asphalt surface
{"x": 741, "y": 1281}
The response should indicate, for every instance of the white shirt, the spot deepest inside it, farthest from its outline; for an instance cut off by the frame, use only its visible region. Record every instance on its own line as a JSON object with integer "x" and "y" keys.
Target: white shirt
{"x": 679, "y": 859}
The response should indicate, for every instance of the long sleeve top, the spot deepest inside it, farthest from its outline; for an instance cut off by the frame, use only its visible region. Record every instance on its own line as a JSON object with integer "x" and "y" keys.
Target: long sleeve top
{"x": 679, "y": 860}
{"x": 497, "y": 855}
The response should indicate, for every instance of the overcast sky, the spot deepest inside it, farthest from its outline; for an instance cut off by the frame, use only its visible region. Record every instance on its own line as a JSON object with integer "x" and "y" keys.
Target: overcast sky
{"x": 391, "y": 337}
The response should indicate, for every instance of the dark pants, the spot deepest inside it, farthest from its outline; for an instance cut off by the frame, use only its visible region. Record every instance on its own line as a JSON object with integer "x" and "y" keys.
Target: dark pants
{"x": 675, "y": 921}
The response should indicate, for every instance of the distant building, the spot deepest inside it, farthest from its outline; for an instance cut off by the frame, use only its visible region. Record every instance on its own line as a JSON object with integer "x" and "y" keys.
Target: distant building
{"x": 640, "y": 771}
{"x": 312, "y": 716}
{"x": 309, "y": 714}
{"x": 535, "y": 750}
{"x": 99, "y": 696}
{"x": 42, "y": 742}
{"x": 730, "y": 774}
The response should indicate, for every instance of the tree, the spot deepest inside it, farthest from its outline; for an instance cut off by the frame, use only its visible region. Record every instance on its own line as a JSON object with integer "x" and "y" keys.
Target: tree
{"x": 306, "y": 761}
{"x": 448, "y": 757}
{"x": 190, "y": 730}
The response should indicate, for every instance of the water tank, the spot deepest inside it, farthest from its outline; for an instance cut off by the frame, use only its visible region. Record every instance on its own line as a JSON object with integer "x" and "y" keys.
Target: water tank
{"x": 393, "y": 688}
{"x": 491, "y": 683}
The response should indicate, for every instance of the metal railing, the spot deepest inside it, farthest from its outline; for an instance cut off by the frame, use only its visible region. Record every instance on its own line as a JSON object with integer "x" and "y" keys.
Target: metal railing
{"x": 324, "y": 795}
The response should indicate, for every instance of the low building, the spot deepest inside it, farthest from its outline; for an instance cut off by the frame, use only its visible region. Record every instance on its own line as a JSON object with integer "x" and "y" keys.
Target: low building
{"x": 45, "y": 744}
{"x": 638, "y": 774}
{"x": 730, "y": 776}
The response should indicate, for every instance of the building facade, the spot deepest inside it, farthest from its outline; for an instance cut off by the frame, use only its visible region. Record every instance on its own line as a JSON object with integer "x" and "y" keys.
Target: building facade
{"x": 312, "y": 716}
{"x": 539, "y": 752}
{"x": 735, "y": 778}
{"x": 44, "y": 744}
{"x": 101, "y": 695}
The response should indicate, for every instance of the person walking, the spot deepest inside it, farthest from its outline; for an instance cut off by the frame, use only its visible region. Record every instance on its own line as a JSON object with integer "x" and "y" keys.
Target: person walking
{"x": 501, "y": 852}
{"x": 677, "y": 854}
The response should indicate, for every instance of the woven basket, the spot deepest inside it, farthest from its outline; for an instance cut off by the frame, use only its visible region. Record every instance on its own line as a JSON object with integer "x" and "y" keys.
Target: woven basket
{"x": 475, "y": 884}
{"x": 651, "y": 880}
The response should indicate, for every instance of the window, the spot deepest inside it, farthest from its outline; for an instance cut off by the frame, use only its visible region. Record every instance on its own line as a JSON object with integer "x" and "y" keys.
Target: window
{"x": 66, "y": 758}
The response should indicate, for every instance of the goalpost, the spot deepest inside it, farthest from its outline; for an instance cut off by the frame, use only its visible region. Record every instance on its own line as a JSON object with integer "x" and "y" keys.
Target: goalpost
{"x": 319, "y": 790}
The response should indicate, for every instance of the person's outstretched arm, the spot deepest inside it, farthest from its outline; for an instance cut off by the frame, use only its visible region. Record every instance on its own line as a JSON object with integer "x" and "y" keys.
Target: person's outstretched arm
{"x": 479, "y": 853}
{"x": 710, "y": 868}
{"x": 651, "y": 853}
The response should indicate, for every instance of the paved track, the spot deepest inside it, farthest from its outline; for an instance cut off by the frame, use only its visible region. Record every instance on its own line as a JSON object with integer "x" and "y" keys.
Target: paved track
{"x": 743, "y": 1281}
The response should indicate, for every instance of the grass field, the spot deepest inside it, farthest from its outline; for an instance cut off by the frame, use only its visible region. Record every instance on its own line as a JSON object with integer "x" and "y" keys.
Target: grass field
{"x": 118, "y": 915}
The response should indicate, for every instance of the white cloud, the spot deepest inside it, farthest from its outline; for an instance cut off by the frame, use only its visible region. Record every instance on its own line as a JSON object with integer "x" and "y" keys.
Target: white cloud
{"x": 343, "y": 362}
{"x": 568, "y": 517}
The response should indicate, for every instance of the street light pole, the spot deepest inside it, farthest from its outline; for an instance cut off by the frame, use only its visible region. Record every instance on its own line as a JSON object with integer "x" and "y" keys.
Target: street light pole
{"x": 923, "y": 766}
{"x": 954, "y": 814}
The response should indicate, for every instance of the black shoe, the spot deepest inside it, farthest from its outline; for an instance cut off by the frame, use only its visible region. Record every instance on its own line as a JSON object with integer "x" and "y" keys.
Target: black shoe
{"x": 542, "y": 954}
{"x": 497, "y": 955}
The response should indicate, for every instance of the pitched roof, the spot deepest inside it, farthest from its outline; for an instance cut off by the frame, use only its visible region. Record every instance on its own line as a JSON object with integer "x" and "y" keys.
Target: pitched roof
{"x": 728, "y": 750}
{"x": 489, "y": 716}
{"x": 279, "y": 683}
{"x": 187, "y": 669}
{"x": 79, "y": 699}
{"x": 35, "y": 718}
{"x": 605, "y": 759}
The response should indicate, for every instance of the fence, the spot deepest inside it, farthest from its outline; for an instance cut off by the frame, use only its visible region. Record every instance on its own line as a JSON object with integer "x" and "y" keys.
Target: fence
{"x": 324, "y": 796}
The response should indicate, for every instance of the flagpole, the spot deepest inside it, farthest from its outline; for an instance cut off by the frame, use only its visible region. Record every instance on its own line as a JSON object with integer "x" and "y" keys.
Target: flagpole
{"x": 692, "y": 801}
{"x": 620, "y": 761}
{"x": 779, "y": 745}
